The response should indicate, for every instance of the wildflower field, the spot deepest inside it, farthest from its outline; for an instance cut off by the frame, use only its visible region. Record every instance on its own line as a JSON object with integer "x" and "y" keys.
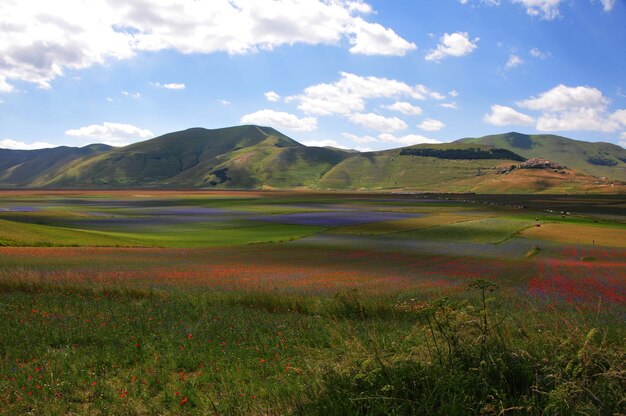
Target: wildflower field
{"x": 160, "y": 302}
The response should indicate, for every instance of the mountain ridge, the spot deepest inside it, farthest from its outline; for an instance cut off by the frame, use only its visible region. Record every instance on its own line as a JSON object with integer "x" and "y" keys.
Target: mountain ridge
{"x": 255, "y": 157}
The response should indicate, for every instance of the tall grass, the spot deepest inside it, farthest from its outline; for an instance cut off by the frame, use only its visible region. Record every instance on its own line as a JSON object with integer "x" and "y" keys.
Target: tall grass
{"x": 467, "y": 357}
{"x": 84, "y": 348}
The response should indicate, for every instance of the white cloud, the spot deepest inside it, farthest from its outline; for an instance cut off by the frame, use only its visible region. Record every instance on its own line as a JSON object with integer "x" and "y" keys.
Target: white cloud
{"x": 272, "y": 96}
{"x": 537, "y": 53}
{"x": 608, "y": 5}
{"x": 280, "y": 120}
{"x": 225, "y": 103}
{"x": 451, "y": 106}
{"x": 115, "y": 134}
{"x": 431, "y": 125}
{"x": 386, "y": 138}
{"x": 349, "y": 94}
{"x": 374, "y": 39}
{"x": 483, "y": 2}
{"x": 405, "y": 108}
{"x": 545, "y": 9}
{"x": 377, "y": 122}
{"x": 323, "y": 143}
{"x": 4, "y": 85}
{"x": 40, "y": 39}
{"x": 619, "y": 117}
{"x": 505, "y": 116}
{"x": 17, "y": 145}
{"x": 452, "y": 44}
{"x": 453, "y": 93}
{"x": 577, "y": 119}
{"x": 514, "y": 61}
{"x": 359, "y": 139}
{"x": 564, "y": 98}
{"x": 408, "y": 140}
{"x": 566, "y": 108}
{"x": 169, "y": 86}
{"x": 135, "y": 95}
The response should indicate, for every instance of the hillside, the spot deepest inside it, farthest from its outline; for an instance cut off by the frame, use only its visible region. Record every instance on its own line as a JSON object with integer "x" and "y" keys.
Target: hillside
{"x": 253, "y": 157}
{"x": 597, "y": 159}
{"x": 20, "y": 168}
{"x": 235, "y": 157}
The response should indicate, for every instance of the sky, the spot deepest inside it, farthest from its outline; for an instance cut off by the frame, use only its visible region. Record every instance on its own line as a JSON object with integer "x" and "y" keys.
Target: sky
{"x": 359, "y": 74}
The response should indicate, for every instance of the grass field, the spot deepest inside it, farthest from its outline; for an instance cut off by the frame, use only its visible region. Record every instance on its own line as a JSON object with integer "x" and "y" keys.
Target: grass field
{"x": 156, "y": 302}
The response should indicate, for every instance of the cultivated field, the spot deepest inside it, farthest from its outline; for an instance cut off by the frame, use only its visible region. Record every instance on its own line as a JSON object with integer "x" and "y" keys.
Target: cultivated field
{"x": 160, "y": 302}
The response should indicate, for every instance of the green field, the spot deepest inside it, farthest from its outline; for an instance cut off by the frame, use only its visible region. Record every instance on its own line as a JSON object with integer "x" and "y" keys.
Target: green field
{"x": 158, "y": 302}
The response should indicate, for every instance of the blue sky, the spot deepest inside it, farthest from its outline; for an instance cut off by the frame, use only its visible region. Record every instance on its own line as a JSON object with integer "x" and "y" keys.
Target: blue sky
{"x": 369, "y": 74}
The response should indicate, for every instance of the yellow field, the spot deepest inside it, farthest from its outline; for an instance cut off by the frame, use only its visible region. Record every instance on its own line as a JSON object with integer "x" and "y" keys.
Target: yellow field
{"x": 570, "y": 233}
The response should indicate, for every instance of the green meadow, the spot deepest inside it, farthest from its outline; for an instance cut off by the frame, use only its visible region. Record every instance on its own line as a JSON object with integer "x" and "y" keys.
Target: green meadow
{"x": 246, "y": 303}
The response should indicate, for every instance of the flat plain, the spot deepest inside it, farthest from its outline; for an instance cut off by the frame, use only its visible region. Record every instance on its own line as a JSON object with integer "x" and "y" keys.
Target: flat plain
{"x": 226, "y": 302}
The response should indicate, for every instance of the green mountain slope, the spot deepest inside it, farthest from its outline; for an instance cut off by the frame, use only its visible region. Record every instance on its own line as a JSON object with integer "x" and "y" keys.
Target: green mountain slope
{"x": 24, "y": 167}
{"x": 597, "y": 159}
{"x": 234, "y": 157}
{"x": 253, "y": 157}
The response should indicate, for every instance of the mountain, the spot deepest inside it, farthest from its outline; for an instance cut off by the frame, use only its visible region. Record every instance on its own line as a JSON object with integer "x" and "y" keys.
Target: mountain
{"x": 254, "y": 157}
{"x": 20, "y": 168}
{"x": 597, "y": 159}
{"x": 235, "y": 157}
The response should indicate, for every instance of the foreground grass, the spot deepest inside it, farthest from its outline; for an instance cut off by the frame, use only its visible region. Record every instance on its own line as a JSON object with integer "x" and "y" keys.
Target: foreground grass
{"x": 85, "y": 349}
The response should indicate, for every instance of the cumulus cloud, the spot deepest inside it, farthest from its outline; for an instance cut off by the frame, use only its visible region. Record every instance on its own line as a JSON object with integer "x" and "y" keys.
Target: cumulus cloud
{"x": 377, "y": 122}
{"x": 350, "y": 93}
{"x": 607, "y": 5}
{"x": 324, "y": 143}
{"x": 40, "y": 39}
{"x": 545, "y": 9}
{"x": 360, "y": 139}
{"x": 4, "y": 85}
{"x": 135, "y": 95}
{"x": 408, "y": 140}
{"x": 114, "y": 134}
{"x": 566, "y": 108}
{"x": 514, "y": 61}
{"x": 619, "y": 117}
{"x": 225, "y": 103}
{"x": 451, "y": 106}
{"x": 170, "y": 85}
{"x": 431, "y": 125}
{"x": 405, "y": 108}
{"x": 453, "y": 44}
{"x": 17, "y": 145}
{"x": 537, "y": 53}
{"x": 483, "y": 2}
{"x": 386, "y": 138}
{"x": 562, "y": 98}
{"x": 506, "y": 116}
{"x": 374, "y": 39}
{"x": 272, "y": 96}
{"x": 280, "y": 120}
